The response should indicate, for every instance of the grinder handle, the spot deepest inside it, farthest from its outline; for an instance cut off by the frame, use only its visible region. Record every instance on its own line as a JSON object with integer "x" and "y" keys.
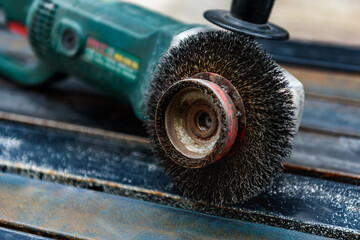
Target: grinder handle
{"x": 13, "y": 17}
{"x": 25, "y": 74}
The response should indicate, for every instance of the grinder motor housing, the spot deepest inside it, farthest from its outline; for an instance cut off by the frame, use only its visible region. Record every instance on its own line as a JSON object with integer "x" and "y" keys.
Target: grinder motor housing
{"x": 110, "y": 44}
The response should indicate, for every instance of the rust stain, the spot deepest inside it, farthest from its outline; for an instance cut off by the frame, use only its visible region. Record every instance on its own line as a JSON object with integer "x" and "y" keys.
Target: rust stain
{"x": 323, "y": 173}
{"x": 65, "y": 176}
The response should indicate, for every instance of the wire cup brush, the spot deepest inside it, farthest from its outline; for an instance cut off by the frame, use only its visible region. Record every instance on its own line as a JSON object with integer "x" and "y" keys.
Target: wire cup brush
{"x": 220, "y": 112}
{"x": 222, "y": 134}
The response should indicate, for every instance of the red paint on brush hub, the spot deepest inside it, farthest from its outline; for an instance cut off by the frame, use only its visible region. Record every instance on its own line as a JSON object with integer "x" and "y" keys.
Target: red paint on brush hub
{"x": 236, "y": 98}
{"x": 232, "y": 122}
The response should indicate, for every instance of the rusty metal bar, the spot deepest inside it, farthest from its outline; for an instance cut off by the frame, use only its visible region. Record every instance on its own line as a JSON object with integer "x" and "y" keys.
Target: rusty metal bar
{"x": 336, "y": 154}
{"x": 69, "y": 211}
{"x": 332, "y": 117}
{"x": 316, "y": 55}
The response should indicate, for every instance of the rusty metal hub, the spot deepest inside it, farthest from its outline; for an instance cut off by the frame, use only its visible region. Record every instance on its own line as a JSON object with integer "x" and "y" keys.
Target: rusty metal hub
{"x": 198, "y": 120}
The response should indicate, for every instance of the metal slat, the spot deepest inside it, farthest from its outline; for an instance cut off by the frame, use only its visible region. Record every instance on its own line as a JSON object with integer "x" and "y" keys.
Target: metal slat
{"x": 332, "y": 84}
{"x": 319, "y": 55}
{"x": 339, "y": 118}
{"x": 81, "y": 214}
{"x": 333, "y": 153}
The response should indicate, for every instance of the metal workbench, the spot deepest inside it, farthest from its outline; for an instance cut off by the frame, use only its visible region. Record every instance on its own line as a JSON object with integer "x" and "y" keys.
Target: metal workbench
{"x": 75, "y": 164}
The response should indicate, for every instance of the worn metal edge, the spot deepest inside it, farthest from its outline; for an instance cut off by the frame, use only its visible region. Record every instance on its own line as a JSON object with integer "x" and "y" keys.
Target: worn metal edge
{"x": 14, "y": 234}
{"x": 335, "y": 176}
{"x": 316, "y": 130}
{"x": 41, "y": 122}
{"x": 172, "y": 200}
{"x": 36, "y": 231}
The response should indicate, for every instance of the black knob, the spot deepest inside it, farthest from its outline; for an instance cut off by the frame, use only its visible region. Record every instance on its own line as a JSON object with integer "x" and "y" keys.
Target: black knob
{"x": 254, "y": 11}
{"x": 249, "y": 17}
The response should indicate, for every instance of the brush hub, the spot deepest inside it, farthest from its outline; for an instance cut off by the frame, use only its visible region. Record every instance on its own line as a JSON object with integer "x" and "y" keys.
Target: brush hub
{"x": 197, "y": 122}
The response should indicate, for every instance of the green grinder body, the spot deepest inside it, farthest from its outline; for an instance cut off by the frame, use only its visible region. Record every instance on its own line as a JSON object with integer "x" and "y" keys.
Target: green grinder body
{"x": 113, "y": 45}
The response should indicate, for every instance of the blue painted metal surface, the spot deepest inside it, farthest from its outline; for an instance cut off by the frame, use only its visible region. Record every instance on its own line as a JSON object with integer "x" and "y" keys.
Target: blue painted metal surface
{"x": 6, "y": 234}
{"x": 332, "y": 116}
{"x": 320, "y": 55}
{"x": 297, "y": 202}
{"x": 53, "y": 208}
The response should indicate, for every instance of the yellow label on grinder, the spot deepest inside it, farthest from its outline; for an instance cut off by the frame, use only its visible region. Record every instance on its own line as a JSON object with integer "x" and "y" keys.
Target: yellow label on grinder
{"x": 111, "y": 59}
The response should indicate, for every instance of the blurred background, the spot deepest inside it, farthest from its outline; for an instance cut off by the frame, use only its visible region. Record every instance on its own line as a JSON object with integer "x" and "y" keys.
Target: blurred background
{"x": 332, "y": 21}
